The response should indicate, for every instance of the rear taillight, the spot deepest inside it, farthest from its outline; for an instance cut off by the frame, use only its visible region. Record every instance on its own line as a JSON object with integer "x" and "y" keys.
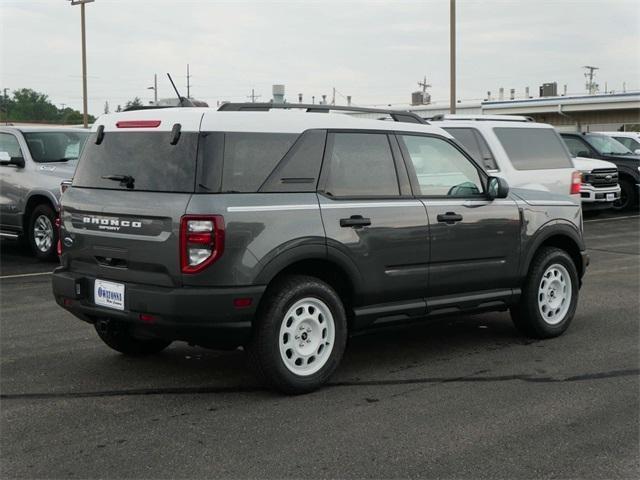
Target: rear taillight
{"x": 576, "y": 180}
{"x": 201, "y": 241}
{"x": 138, "y": 123}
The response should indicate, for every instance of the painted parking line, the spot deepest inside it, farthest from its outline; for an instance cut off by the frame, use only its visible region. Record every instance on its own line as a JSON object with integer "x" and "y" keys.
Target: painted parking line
{"x": 610, "y": 219}
{"x": 25, "y": 275}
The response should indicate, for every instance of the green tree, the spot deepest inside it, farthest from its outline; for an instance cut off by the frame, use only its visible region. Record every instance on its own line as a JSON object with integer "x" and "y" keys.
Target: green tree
{"x": 31, "y": 106}
{"x": 27, "y": 105}
{"x": 136, "y": 102}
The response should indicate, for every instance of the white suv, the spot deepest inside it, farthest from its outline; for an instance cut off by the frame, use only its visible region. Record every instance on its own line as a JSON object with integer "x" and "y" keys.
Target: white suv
{"x": 527, "y": 154}
{"x": 600, "y": 188}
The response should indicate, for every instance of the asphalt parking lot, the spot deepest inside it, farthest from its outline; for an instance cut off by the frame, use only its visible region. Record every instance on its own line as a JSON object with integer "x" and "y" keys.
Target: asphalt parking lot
{"x": 464, "y": 398}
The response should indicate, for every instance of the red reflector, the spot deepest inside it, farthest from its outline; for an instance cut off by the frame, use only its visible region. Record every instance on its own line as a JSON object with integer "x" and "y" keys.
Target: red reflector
{"x": 138, "y": 123}
{"x": 57, "y": 223}
{"x": 67, "y": 302}
{"x": 146, "y": 318}
{"x": 242, "y": 302}
{"x": 576, "y": 181}
{"x": 199, "y": 238}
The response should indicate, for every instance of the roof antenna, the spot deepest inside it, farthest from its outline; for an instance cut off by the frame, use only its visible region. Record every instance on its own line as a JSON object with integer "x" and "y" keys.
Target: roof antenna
{"x": 183, "y": 102}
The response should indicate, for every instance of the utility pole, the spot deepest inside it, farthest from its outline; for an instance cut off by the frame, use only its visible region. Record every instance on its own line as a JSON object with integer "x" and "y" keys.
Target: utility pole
{"x": 85, "y": 116}
{"x": 154, "y": 88}
{"x": 333, "y": 98}
{"x": 188, "y": 83}
{"x": 253, "y": 96}
{"x": 452, "y": 53}
{"x": 591, "y": 85}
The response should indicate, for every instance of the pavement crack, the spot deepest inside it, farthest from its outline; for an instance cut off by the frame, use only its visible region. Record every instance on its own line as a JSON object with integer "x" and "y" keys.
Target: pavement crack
{"x": 360, "y": 383}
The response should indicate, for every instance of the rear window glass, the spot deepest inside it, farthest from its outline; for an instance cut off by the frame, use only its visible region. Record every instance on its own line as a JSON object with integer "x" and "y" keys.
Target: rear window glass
{"x": 249, "y": 158}
{"x": 147, "y": 157}
{"x": 533, "y": 148}
{"x": 55, "y": 146}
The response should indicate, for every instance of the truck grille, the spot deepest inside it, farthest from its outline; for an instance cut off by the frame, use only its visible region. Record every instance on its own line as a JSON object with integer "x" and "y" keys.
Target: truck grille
{"x": 602, "y": 177}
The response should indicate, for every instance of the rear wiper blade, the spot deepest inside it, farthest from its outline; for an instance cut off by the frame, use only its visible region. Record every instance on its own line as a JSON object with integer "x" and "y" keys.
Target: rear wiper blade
{"x": 125, "y": 180}
{"x": 64, "y": 159}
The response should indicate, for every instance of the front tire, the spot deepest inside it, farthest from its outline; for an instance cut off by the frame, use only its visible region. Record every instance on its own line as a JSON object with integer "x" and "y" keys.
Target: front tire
{"x": 627, "y": 198}
{"x": 549, "y": 296}
{"x": 300, "y": 335}
{"x": 118, "y": 337}
{"x": 42, "y": 235}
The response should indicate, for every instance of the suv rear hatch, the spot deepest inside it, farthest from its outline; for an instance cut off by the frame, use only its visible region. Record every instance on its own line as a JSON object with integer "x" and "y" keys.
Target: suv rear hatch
{"x": 121, "y": 218}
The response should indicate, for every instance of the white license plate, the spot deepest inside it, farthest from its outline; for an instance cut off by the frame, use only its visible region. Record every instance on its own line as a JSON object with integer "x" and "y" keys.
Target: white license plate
{"x": 109, "y": 294}
{"x": 611, "y": 197}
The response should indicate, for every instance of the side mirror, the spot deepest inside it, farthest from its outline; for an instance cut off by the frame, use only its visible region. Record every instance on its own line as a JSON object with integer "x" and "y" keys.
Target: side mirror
{"x": 497, "y": 187}
{"x": 6, "y": 159}
{"x": 583, "y": 153}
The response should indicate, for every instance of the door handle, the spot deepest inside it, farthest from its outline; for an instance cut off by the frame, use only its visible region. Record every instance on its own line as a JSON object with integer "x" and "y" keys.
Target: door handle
{"x": 355, "y": 221}
{"x": 449, "y": 218}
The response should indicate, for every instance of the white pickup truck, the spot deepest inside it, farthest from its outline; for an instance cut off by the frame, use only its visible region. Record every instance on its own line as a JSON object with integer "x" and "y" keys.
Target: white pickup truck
{"x": 599, "y": 187}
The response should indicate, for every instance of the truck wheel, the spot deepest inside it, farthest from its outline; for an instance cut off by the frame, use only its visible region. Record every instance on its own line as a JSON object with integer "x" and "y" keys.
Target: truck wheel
{"x": 549, "y": 296}
{"x": 42, "y": 234}
{"x": 627, "y": 198}
{"x": 117, "y": 336}
{"x": 300, "y": 335}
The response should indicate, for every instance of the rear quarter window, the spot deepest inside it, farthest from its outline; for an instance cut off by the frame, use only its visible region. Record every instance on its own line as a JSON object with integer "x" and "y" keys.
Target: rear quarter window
{"x": 249, "y": 158}
{"x": 533, "y": 148}
{"x": 148, "y": 157}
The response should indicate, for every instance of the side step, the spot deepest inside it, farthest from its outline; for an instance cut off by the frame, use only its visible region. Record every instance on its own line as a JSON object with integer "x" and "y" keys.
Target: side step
{"x": 11, "y": 235}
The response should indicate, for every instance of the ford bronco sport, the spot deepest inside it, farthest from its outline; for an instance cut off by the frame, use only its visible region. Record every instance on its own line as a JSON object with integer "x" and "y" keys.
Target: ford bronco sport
{"x": 284, "y": 231}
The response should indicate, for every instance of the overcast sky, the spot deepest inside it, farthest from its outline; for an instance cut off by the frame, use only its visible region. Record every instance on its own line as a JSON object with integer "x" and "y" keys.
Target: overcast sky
{"x": 374, "y": 51}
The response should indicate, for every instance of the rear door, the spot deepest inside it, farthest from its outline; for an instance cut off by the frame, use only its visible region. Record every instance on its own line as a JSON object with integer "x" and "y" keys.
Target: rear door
{"x": 121, "y": 218}
{"x": 370, "y": 216}
{"x": 474, "y": 241}
{"x": 12, "y": 184}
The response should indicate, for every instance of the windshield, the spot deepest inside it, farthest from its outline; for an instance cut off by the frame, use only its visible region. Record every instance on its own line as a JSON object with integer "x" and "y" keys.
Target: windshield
{"x": 606, "y": 145}
{"x": 55, "y": 146}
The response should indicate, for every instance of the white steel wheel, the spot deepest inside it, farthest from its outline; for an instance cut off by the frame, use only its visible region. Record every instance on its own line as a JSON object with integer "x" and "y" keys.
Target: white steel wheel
{"x": 307, "y": 336}
{"x": 554, "y": 294}
{"x": 43, "y": 233}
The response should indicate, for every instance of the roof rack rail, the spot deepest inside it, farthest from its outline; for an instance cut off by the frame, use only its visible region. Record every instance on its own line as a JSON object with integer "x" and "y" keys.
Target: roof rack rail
{"x": 396, "y": 115}
{"x": 481, "y": 117}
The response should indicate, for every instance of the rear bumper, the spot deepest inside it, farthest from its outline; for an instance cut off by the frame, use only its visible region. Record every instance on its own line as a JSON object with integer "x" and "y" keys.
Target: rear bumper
{"x": 201, "y": 315}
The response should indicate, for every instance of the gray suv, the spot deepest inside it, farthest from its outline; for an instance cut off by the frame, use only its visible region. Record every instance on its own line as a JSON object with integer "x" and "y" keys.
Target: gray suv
{"x": 33, "y": 162}
{"x": 286, "y": 231}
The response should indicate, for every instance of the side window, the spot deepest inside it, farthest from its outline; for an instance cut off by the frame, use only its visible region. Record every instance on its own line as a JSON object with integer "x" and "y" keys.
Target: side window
{"x": 441, "y": 169}
{"x": 576, "y": 146}
{"x": 249, "y": 158}
{"x": 473, "y": 143}
{"x": 299, "y": 169}
{"x": 361, "y": 164}
{"x": 9, "y": 144}
{"x": 533, "y": 148}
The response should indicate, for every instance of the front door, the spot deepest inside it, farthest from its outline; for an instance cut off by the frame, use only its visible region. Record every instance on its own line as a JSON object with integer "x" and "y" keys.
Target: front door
{"x": 371, "y": 217}
{"x": 474, "y": 241}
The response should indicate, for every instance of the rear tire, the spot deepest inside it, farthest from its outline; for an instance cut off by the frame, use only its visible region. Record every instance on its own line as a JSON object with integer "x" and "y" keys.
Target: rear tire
{"x": 299, "y": 336}
{"x": 118, "y": 337}
{"x": 42, "y": 235}
{"x": 549, "y": 296}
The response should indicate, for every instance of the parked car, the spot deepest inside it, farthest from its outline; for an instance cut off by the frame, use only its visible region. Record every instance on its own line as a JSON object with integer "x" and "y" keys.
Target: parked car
{"x": 286, "y": 231}
{"x": 33, "y": 161}
{"x": 599, "y": 188}
{"x": 527, "y": 154}
{"x": 603, "y": 147}
{"x": 631, "y": 140}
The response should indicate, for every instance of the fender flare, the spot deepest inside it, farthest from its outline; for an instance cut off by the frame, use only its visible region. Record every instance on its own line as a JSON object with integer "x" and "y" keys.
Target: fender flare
{"x": 310, "y": 251}
{"x": 548, "y": 230}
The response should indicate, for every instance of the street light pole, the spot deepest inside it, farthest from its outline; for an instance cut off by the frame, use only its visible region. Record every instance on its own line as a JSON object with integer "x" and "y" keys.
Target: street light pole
{"x": 452, "y": 53}
{"x": 85, "y": 116}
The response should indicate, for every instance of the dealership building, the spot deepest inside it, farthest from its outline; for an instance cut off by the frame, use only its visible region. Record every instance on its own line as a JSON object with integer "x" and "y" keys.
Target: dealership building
{"x": 599, "y": 112}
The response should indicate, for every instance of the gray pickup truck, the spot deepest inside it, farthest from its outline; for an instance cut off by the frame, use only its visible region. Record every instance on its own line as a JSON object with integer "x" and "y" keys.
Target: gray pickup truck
{"x": 285, "y": 232}
{"x": 33, "y": 162}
